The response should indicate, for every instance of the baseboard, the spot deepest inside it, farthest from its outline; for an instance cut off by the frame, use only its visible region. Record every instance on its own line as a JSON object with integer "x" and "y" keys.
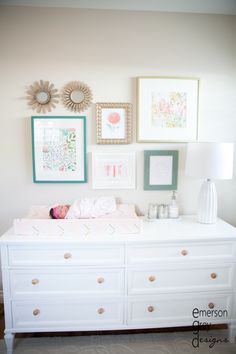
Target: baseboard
{"x": 1, "y": 297}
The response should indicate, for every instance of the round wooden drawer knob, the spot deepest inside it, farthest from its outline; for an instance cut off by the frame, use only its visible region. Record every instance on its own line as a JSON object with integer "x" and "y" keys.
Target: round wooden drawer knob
{"x": 101, "y": 311}
{"x": 35, "y": 281}
{"x": 100, "y": 280}
{"x": 213, "y": 275}
{"x": 152, "y": 278}
{"x": 67, "y": 255}
{"x": 36, "y": 312}
{"x": 184, "y": 252}
{"x": 211, "y": 305}
{"x": 151, "y": 308}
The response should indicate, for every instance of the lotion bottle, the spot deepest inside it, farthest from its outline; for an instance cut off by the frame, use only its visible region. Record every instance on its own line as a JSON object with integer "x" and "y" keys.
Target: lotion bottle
{"x": 173, "y": 207}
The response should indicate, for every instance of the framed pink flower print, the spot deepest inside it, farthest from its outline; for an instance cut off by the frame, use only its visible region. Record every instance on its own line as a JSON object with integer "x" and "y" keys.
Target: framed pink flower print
{"x": 113, "y": 123}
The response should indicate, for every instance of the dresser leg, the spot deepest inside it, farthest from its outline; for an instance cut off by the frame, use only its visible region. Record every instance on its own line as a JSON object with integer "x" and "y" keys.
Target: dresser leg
{"x": 232, "y": 333}
{"x": 9, "y": 340}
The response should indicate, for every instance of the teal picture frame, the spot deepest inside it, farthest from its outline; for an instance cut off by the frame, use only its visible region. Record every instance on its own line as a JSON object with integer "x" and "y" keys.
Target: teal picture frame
{"x": 161, "y": 169}
{"x": 59, "y": 149}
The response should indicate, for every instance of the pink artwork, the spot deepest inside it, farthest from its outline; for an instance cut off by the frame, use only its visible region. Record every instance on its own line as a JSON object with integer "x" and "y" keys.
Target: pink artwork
{"x": 113, "y": 170}
{"x": 114, "y": 118}
{"x": 113, "y": 123}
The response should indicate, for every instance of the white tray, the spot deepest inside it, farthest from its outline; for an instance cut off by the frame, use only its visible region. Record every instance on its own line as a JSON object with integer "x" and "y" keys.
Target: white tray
{"x": 146, "y": 218}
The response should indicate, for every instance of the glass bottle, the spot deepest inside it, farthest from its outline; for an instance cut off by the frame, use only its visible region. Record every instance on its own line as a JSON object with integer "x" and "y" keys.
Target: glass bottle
{"x": 173, "y": 207}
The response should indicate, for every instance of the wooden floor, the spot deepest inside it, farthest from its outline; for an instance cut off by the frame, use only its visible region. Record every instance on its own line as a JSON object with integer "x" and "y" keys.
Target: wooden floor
{"x": 53, "y": 334}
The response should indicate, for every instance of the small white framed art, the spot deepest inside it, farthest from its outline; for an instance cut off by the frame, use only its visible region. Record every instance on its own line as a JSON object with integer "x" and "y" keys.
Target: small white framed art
{"x": 113, "y": 170}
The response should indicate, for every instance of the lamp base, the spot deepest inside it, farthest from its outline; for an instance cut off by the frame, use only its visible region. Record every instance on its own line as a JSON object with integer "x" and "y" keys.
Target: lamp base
{"x": 207, "y": 203}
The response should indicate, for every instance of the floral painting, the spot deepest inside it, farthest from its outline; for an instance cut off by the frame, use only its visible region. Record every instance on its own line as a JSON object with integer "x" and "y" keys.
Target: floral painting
{"x": 167, "y": 109}
{"x": 59, "y": 149}
{"x": 113, "y": 121}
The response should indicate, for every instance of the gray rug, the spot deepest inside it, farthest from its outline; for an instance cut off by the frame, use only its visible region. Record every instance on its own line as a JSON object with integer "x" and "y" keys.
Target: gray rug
{"x": 143, "y": 343}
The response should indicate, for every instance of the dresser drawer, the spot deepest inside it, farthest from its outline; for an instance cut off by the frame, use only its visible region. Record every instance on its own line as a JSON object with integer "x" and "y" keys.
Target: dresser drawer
{"x": 178, "y": 309}
{"x": 94, "y": 254}
{"x": 180, "y": 279}
{"x": 67, "y": 314}
{"x": 51, "y": 282}
{"x": 154, "y": 253}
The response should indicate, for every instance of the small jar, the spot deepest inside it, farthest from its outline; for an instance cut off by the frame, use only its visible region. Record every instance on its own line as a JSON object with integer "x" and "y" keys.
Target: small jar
{"x": 163, "y": 211}
{"x": 152, "y": 211}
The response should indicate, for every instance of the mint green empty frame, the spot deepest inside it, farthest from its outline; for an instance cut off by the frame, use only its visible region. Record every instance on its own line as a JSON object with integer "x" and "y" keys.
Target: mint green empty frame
{"x": 160, "y": 169}
{"x": 59, "y": 149}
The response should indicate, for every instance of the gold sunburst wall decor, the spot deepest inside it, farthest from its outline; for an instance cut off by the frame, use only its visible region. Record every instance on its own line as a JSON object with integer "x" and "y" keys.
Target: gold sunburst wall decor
{"x": 76, "y": 96}
{"x": 42, "y": 96}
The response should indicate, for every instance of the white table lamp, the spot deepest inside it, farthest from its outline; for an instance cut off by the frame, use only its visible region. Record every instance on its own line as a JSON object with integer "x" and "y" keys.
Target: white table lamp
{"x": 209, "y": 160}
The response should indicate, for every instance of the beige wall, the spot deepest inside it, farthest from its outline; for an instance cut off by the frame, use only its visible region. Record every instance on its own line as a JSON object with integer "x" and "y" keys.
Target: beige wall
{"x": 107, "y": 50}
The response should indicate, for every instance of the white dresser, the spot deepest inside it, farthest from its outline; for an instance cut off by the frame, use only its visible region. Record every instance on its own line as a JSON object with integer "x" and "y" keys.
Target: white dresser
{"x": 149, "y": 280}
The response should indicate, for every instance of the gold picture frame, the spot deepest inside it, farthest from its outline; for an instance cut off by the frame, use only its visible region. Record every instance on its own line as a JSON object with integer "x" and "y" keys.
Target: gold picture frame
{"x": 167, "y": 109}
{"x": 113, "y": 123}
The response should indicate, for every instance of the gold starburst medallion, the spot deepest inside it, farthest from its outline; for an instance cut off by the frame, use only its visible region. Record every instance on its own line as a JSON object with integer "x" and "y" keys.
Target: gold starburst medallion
{"x": 42, "y": 96}
{"x": 76, "y": 96}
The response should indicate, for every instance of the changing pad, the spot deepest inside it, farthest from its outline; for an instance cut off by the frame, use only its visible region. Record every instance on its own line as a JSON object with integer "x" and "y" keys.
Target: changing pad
{"x": 123, "y": 220}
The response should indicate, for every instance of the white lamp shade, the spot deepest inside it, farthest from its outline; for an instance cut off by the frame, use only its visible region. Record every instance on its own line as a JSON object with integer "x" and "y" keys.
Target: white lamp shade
{"x": 210, "y": 160}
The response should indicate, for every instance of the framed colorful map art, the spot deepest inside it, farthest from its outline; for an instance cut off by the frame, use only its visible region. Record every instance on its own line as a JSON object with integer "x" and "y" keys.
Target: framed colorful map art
{"x": 167, "y": 109}
{"x": 113, "y": 123}
{"x": 59, "y": 149}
